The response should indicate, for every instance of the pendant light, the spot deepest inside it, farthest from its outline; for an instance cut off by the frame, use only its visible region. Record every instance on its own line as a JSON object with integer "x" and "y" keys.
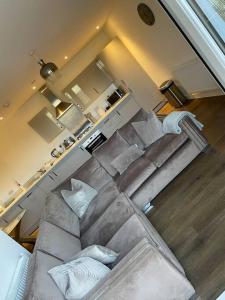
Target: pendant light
{"x": 47, "y": 69}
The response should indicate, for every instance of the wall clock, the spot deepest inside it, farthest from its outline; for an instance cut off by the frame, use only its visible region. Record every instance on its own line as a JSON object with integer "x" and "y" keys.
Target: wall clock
{"x": 146, "y": 14}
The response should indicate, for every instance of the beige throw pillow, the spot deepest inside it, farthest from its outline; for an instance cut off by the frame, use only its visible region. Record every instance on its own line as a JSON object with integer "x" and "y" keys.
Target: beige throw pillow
{"x": 80, "y": 197}
{"x": 99, "y": 253}
{"x": 78, "y": 277}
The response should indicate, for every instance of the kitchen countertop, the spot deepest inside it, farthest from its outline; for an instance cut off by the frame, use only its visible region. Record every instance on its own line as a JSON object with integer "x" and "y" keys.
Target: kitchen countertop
{"x": 25, "y": 191}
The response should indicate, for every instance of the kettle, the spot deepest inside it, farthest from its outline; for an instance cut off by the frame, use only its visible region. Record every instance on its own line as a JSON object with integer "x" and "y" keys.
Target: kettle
{"x": 68, "y": 142}
{"x": 55, "y": 153}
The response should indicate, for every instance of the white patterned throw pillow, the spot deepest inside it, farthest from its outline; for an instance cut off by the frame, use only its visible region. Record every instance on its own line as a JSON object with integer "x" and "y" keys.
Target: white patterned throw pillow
{"x": 76, "y": 278}
{"x": 97, "y": 252}
{"x": 80, "y": 197}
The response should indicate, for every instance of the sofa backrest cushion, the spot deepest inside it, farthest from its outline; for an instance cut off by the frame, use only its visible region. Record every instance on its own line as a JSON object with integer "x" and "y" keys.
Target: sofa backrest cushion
{"x": 106, "y": 195}
{"x": 57, "y": 212}
{"x": 149, "y": 130}
{"x": 128, "y": 236}
{"x": 114, "y": 146}
{"x": 108, "y": 223}
{"x": 129, "y": 133}
{"x": 56, "y": 241}
{"x": 91, "y": 173}
{"x": 42, "y": 286}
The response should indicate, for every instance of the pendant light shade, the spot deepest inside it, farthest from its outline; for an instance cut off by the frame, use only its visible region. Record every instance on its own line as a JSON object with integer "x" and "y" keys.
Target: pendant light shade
{"x": 47, "y": 69}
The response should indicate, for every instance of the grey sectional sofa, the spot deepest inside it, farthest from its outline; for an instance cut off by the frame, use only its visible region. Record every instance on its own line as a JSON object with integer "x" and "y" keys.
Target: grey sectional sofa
{"x": 161, "y": 162}
{"x": 146, "y": 268}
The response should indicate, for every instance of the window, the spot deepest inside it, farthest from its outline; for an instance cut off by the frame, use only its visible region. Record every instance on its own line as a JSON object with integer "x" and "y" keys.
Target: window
{"x": 212, "y": 15}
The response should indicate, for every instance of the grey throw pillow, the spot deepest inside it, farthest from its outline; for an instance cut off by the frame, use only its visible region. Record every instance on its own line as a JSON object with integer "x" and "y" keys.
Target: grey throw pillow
{"x": 99, "y": 253}
{"x": 150, "y": 130}
{"x": 126, "y": 158}
{"x": 77, "y": 278}
{"x": 80, "y": 197}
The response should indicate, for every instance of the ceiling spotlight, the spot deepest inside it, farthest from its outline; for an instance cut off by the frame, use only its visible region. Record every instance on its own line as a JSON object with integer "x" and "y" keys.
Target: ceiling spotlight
{"x": 65, "y": 57}
{"x": 97, "y": 27}
{"x": 1, "y": 118}
{"x": 34, "y": 87}
{"x": 6, "y": 104}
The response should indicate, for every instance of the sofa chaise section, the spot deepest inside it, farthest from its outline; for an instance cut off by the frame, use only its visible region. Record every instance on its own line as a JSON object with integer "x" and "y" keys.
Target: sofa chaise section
{"x": 144, "y": 273}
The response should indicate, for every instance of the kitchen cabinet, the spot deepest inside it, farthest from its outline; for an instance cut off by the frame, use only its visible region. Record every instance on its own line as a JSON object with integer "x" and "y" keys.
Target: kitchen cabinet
{"x": 120, "y": 116}
{"x": 49, "y": 182}
{"x": 88, "y": 85}
{"x": 12, "y": 213}
{"x": 73, "y": 161}
{"x": 2, "y": 223}
{"x": 127, "y": 110}
{"x": 34, "y": 203}
{"x": 110, "y": 124}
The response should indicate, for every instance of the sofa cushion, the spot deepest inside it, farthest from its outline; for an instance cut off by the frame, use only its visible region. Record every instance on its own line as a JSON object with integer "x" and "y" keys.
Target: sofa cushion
{"x": 128, "y": 236}
{"x": 98, "y": 205}
{"x": 132, "y": 232}
{"x": 42, "y": 286}
{"x": 163, "y": 148}
{"x": 135, "y": 175}
{"x": 91, "y": 173}
{"x": 130, "y": 135}
{"x": 125, "y": 159}
{"x": 144, "y": 274}
{"x": 108, "y": 223}
{"x": 150, "y": 130}
{"x": 141, "y": 115}
{"x": 57, "y": 212}
{"x": 57, "y": 242}
{"x": 110, "y": 150}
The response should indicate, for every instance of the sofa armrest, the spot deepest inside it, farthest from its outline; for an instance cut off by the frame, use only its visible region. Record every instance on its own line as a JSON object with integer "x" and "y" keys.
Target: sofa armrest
{"x": 193, "y": 132}
{"x": 144, "y": 273}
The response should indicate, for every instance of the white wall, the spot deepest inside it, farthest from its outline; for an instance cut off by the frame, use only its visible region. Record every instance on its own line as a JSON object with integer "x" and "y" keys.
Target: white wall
{"x": 123, "y": 66}
{"x": 160, "y": 49}
{"x": 80, "y": 61}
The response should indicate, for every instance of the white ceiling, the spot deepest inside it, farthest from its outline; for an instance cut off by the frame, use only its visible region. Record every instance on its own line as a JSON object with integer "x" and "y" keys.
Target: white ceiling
{"x": 54, "y": 28}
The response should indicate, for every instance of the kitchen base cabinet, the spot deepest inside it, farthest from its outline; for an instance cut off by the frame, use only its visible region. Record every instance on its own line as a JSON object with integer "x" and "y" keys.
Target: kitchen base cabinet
{"x": 127, "y": 110}
{"x": 3, "y": 223}
{"x": 119, "y": 117}
{"x": 12, "y": 213}
{"x": 110, "y": 124}
{"x": 71, "y": 163}
{"x": 48, "y": 183}
{"x": 34, "y": 205}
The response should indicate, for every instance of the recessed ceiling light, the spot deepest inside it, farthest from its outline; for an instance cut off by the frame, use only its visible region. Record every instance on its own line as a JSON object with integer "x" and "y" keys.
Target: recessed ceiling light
{"x": 97, "y": 27}
{"x": 1, "y": 118}
{"x": 34, "y": 87}
{"x": 65, "y": 57}
{"x": 6, "y": 104}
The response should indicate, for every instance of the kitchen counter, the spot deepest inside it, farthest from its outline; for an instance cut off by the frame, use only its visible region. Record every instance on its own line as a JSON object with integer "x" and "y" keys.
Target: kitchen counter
{"x": 37, "y": 178}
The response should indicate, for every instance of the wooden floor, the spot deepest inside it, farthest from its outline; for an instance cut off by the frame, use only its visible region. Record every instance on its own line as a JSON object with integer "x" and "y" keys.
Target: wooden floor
{"x": 190, "y": 212}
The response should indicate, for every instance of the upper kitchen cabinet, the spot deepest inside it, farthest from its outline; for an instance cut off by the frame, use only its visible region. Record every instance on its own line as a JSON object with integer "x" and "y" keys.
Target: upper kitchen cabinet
{"x": 89, "y": 85}
{"x": 46, "y": 125}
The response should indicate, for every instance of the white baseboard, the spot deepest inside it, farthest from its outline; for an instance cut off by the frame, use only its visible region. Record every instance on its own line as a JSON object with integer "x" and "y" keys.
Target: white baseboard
{"x": 209, "y": 93}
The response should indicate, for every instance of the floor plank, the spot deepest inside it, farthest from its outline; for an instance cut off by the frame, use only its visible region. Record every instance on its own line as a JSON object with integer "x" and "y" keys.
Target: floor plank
{"x": 190, "y": 212}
